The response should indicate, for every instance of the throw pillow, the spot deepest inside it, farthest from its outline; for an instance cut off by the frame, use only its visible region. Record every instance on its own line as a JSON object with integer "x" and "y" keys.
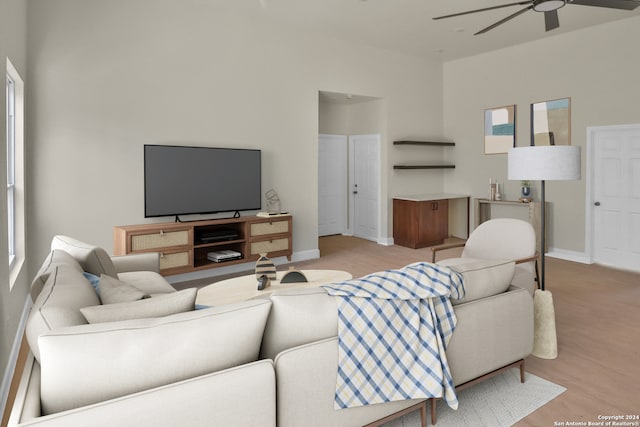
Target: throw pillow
{"x": 94, "y": 280}
{"x": 55, "y": 258}
{"x": 113, "y": 291}
{"x": 92, "y": 258}
{"x": 159, "y": 306}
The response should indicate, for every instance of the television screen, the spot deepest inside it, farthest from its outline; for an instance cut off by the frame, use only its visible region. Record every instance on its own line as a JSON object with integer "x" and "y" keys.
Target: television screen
{"x": 180, "y": 180}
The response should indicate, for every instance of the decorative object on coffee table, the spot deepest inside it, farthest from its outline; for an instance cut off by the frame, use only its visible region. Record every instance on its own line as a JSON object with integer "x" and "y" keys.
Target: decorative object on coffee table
{"x": 293, "y": 276}
{"x": 263, "y": 282}
{"x": 265, "y": 267}
{"x": 544, "y": 162}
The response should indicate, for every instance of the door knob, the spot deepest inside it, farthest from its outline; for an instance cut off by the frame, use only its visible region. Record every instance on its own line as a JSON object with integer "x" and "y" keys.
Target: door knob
{"x": 597, "y": 204}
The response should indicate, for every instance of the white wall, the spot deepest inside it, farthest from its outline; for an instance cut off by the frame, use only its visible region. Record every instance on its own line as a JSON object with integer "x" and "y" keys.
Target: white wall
{"x": 596, "y": 67}
{"x": 13, "y": 27}
{"x": 110, "y": 76}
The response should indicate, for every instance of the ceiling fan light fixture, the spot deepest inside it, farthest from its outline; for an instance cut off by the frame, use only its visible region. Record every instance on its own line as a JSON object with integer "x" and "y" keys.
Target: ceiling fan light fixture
{"x": 548, "y": 5}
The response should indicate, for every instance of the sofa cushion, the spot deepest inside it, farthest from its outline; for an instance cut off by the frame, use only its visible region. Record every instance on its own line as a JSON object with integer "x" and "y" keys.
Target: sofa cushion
{"x": 482, "y": 278}
{"x": 158, "y": 306}
{"x": 93, "y": 259}
{"x": 299, "y": 316}
{"x": 92, "y": 363}
{"x": 58, "y": 305}
{"x": 112, "y": 291}
{"x": 56, "y": 257}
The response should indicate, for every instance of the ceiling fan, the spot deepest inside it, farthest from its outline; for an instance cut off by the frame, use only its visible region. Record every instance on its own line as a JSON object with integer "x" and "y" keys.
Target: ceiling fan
{"x": 550, "y": 9}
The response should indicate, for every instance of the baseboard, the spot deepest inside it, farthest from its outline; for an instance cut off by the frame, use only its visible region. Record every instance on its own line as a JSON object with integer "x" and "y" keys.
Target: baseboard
{"x": 13, "y": 357}
{"x": 385, "y": 241}
{"x": 566, "y": 255}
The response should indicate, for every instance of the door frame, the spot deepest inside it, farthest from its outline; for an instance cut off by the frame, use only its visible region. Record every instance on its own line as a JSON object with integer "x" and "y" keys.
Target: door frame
{"x": 590, "y": 197}
{"x": 351, "y": 207}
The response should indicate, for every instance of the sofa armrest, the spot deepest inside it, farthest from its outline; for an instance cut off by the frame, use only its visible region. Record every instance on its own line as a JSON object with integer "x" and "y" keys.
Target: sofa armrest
{"x": 436, "y": 249}
{"x": 491, "y": 333}
{"x": 26, "y": 405}
{"x": 137, "y": 262}
{"x": 236, "y": 397}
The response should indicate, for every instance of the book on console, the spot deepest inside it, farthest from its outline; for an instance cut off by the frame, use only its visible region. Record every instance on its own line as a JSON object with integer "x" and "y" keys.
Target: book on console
{"x": 269, "y": 215}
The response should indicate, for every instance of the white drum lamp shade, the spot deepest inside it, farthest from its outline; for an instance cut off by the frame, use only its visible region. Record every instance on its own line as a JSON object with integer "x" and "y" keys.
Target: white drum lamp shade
{"x": 544, "y": 163}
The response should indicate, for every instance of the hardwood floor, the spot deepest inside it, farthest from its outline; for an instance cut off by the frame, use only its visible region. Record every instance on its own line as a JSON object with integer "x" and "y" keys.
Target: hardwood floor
{"x": 597, "y": 321}
{"x": 598, "y": 326}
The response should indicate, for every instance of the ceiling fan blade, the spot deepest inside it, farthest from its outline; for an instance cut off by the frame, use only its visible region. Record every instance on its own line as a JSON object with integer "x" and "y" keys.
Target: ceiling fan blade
{"x": 520, "y": 3}
{"x": 502, "y": 21}
{"x": 551, "y": 21}
{"x": 612, "y": 4}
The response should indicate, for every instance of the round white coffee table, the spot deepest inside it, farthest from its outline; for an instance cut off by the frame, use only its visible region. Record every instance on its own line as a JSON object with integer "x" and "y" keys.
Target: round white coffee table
{"x": 246, "y": 287}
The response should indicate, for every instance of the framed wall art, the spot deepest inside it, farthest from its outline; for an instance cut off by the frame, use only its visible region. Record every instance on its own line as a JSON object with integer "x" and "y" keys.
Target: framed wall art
{"x": 499, "y": 129}
{"x": 551, "y": 122}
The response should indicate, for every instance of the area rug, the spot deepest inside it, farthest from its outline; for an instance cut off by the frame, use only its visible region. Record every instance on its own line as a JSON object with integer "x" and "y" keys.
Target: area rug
{"x": 500, "y": 401}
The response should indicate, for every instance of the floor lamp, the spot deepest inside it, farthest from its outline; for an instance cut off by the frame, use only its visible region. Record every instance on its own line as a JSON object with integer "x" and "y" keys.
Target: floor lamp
{"x": 544, "y": 163}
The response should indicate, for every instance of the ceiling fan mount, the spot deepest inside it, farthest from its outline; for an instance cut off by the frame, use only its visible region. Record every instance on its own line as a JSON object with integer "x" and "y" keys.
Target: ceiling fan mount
{"x": 548, "y": 5}
{"x": 549, "y": 8}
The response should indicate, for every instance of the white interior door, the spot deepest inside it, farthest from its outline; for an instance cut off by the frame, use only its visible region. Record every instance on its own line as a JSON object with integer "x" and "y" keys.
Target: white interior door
{"x": 332, "y": 184}
{"x": 365, "y": 179}
{"x": 616, "y": 196}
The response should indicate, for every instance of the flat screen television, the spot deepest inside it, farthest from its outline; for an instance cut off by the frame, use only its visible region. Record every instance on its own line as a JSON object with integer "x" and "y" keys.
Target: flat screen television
{"x": 182, "y": 180}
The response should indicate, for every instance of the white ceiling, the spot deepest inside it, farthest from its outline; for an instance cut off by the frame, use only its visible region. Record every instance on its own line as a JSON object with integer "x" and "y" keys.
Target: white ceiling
{"x": 407, "y": 25}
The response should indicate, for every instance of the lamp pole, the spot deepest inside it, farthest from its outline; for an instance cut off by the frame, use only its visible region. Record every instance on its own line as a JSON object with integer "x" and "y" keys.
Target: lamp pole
{"x": 543, "y": 234}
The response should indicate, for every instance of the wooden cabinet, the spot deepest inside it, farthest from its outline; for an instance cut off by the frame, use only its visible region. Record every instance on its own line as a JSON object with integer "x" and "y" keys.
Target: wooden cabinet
{"x": 270, "y": 236}
{"x": 418, "y": 224}
{"x": 184, "y": 247}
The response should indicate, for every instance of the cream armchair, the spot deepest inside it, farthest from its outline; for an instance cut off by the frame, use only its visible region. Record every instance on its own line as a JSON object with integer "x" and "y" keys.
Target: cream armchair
{"x": 502, "y": 238}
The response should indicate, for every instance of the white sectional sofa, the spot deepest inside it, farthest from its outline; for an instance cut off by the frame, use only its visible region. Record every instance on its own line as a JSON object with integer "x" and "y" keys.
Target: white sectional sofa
{"x": 263, "y": 362}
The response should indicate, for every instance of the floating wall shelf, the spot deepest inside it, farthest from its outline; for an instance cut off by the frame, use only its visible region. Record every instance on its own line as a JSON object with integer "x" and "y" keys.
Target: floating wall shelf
{"x": 425, "y": 144}
{"x": 431, "y": 143}
{"x": 406, "y": 167}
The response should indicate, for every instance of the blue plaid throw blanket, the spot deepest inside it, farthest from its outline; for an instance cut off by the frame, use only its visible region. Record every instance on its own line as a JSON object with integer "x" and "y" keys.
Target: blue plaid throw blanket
{"x": 393, "y": 329}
